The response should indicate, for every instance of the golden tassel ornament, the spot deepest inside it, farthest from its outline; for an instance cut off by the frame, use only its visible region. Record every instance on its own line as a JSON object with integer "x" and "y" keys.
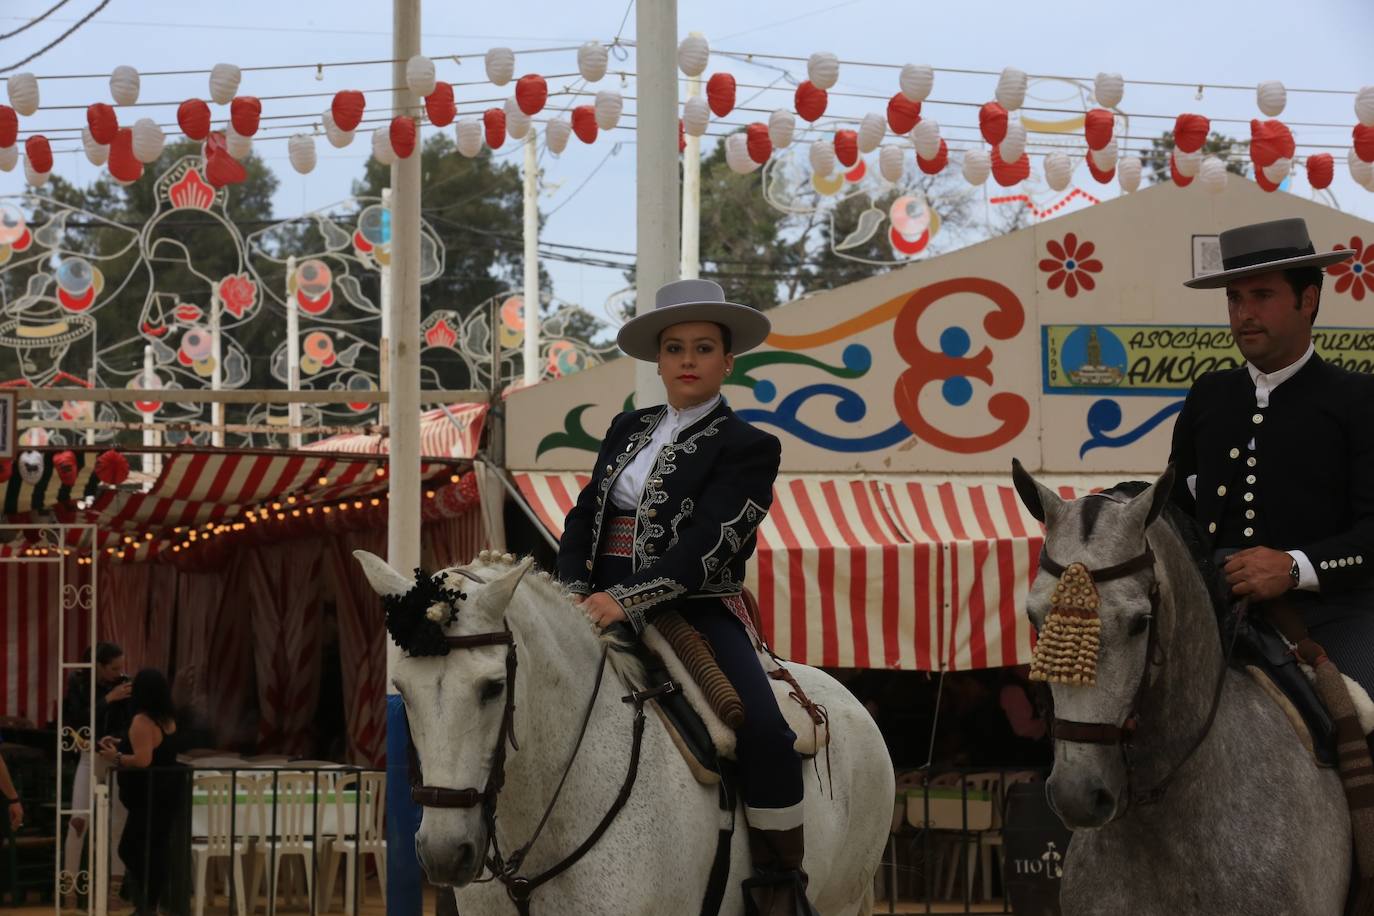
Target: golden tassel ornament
{"x": 1066, "y": 652}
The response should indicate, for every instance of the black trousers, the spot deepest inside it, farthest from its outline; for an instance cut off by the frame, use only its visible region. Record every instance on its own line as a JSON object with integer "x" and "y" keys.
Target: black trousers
{"x": 143, "y": 849}
{"x": 770, "y": 768}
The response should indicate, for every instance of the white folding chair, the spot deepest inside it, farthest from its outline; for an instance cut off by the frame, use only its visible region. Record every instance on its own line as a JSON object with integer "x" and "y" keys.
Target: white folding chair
{"x": 368, "y": 839}
{"x": 219, "y": 842}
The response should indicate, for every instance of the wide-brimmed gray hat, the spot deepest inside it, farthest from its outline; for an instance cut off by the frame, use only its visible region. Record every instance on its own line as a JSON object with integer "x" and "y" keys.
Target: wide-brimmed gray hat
{"x": 692, "y": 300}
{"x": 1262, "y": 247}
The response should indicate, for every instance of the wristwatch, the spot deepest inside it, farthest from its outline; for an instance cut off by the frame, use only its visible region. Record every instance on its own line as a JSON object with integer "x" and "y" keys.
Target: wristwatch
{"x": 1295, "y": 573}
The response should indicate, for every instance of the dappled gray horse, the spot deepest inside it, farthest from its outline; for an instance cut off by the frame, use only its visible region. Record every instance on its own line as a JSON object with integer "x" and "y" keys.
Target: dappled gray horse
{"x": 1185, "y": 785}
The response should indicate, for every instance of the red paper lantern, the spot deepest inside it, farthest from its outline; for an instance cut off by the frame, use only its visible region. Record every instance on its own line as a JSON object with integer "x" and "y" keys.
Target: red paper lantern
{"x": 1179, "y": 178}
{"x": 39, "y": 153}
{"x": 64, "y": 463}
{"x": 810, "y": 101}
{"x": 531, "y": 92}
{"x": 494, "y": 121}
{"x": 937, "y": 165}
{"x": 402, "y": 133}
{"x": 102, "y": 121}
{"x": 992, "y": 121}
{"x": 902, "y": 114}
{"x": 1270, "y": 141}
{"x": 220, "y": 168}
{"x": 1321, "y": 167}
{"x": 1364, "y": 142}
{"x": 1263, "y": 181}
{"x": 1190, "y": 132}
{"x": 720, "y": 94}
{"x": 245, "y": 111}
{"x": 347, "y": 109}
{"x": 1102, "y": 176}
{"x": 193, "y": 116}
{"x": 6, "y": 469}
{"x": 1009, "y": 173}
{"x": 111, "y": 468}
{"x": 9, "y": 126}
{"x": 681, "y": 137}
{"x": 584, "y": 123}
{"x": 760, "y": 146}
{"x": 1098, "y": 126}
{"x": 439, "y": 105}
{"x": 847, "y": 147}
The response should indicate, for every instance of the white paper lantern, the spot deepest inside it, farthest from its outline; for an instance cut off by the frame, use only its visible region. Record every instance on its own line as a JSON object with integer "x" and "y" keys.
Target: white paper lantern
{"x": 96, "y": 154}
{"x": 224, "y": 83}
{"x": 469, "y": 134}
{"x": 591, "y": 61}
{"x": 1271, "y": 97}
{"x": 1011, "y": 89}
{"x": 1364, "y": 105}
{"x": 823, "y": 69}
{"x": 337, "y": 138}
{"x": 556, "y": 135}
{"x": 737, "y": 154}
{"x": 31, "y": 467}
{"x": 608, "y": 106}
{"x": 35, "y": 179}
{"x": 872, "y": 129}
{"x": 23, "y": 92}
{"x": 9, "y": 157}
{"x": 500, "y": 65}
{"x": 925, "y": 136}
{"x": 1188, "y": 163}
{"x": 518, "y": 124}
{"x": 148, "y": 140}
{"x": 124, "y": 85}
{"x": 1211, "y": 175}
{"x": 693, "y": 54}
{"x": 891, "y": 164}
{"x": 1108, "y": 88}
{"x": 1105, "y": 158}
{"x": 782, "y": 124}
{"x": 1013, "y": 145}
{"x": 1058, "y": 171}
{"x": 1128, "y": 173}
{"x": 977, "y": 166}
{"x": 696, "y": 114}
{"x": 420, "y": 75}
{"x": 1360, "y": 170}
{"x": 382, "y": 150}
{"x": 301, "y": 150}
{"x": 916, "y": 81}
{"x": 1278, "y": 170}
{"x": 822, "y": 155}
{"x": 238, "y": 146}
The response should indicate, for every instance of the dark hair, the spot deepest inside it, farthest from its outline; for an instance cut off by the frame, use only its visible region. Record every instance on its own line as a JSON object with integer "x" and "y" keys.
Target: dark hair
{"x": 727, "y": 339}
{"x": 1299, "y": 278}
{"x": 152, "y": 695}
{"x": 105, "y": 653}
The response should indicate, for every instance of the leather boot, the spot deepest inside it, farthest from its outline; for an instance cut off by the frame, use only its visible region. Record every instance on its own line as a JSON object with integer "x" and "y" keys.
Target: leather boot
{"x": 778, "y": 887}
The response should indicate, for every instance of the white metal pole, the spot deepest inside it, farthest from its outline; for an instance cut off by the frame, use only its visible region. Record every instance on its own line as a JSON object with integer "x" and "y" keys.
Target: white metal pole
{"x": 149, "y": 436}
{"x": 691, "y": 195}
{"x": 98, "y": 865}
{"x": 383, "y": 347}
{"x": 217, "y": 374}
{"x": 293, "y": 352}
{"x": 531, "y": 229}
{"x": 656, "y": 182}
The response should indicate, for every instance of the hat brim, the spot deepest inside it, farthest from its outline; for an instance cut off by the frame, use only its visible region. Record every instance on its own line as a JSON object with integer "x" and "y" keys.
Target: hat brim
{"x": 1221, "y": 278}
{"x": 748, "y": 327}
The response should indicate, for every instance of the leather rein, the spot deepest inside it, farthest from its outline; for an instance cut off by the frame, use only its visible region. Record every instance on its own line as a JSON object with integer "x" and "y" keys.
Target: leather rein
{"x": 1123, "y": 735}
{"x": 519, "y": 888}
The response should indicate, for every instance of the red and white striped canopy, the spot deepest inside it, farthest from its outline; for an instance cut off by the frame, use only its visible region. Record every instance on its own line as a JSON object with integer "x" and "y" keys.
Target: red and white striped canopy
{"x": 881, "y": 571}
{"x": 452, "y": 431}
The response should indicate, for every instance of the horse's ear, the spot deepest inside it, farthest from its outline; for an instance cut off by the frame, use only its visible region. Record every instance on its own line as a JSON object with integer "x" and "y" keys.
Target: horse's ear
{"x": 1040, "y": 500}
{"x": 495, "y": 596}
{"x": 383, "y": 579}
{"x": 1153, "y": 500}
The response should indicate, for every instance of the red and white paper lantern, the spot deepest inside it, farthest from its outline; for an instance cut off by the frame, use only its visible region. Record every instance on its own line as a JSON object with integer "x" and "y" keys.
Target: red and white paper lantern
{"x": 1128, "y": 171}
{"x": 347, "y": 108}
{"x": 149, "y": 140}
{"x": 403, "y": 134}
{"x": 823, "y": 69}
{"x": 440, "y": 107}
{"x": 1211, "y": 175}
{"x": 720, "y": 94}
{"x": 1013, "y": 145}
{"x": 1364, "y": 105}
{"x": 517, "y": 122}
{"x": 9, "y": 126}
{"x": 759, "y": 145}
{"x": 977, "y": 166}
{"x": 102, "y": 121}
{"x": 1098, "y": 126}
{"x": 1011, "y": 88}
{"x": 96, "y": 153}
{"x": 608, "y": 106}
{"x": 992, "y": 122}
{"x": 468, "y": 133}
{"x": 891, "y": 164}
{"x": 693, "y": 54}
{"x": 23, "y": 93}
{"x": 1271, "y": 97}
{"x": 237, "y": 144}
{"x": 531, "y": 93}
{"x": 782, "y": 124}
{"x": 124, "y": 85}
{"x": 494, "y": 127}
{"x": 9, "y": 156}
{"x": 872, "y": 129}
{"x": 584, "y": 123}
{"x": 300, "y": 149}
{"x": 847, "y": 147}
{"x": 592, "y": 60}
{"x": 245, "y": 114}
{"x": 193, "y": 117}
{"x": 822, "y": 157}
{"x": 1321, "y": 168}
{"x": 38, "y": 153}
{"x": 224, "y": 83}
{"x": 1187, "y": 164}
{"x": 810, "y": 101}
{"x": 1108, "y": 88}
{"x": 382, "y": 150}
{"x": 696, "y": 115}
{"x": 336, "y": 135}
{"x": 737, "y": 154}
{"x": 925, "y": 136}
{"x": 500, "y": 65}
{"x": 916, "y": 81}
{"x": 556, "y": 135}
{"x": 420, "y": 77}
{"x": 902, "y": 114}
{"x": 1058, "y": 171}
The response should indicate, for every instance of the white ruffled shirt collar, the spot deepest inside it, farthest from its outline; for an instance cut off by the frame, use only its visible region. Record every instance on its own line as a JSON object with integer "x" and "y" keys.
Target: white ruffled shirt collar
{"x": 630, "y": 484}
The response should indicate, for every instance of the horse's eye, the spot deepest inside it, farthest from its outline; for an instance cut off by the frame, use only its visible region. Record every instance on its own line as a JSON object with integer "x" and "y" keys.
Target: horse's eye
{"x": 1139, "y": 624}
{"x": 491, "y": 690}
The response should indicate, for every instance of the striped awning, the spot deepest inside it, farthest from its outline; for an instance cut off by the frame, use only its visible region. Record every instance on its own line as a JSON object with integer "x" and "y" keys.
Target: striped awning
{"x": 452, "y": 431}
{"x": 881, "y": 571}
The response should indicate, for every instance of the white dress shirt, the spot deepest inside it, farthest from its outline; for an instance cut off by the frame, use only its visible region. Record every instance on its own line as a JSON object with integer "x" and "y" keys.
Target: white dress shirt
{"x": 1265, "y": 383}
{"x": 630, "y": 484}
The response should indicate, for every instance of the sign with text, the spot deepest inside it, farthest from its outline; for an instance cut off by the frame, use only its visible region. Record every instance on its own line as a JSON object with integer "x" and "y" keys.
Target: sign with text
{"x": 1155, "y": 359}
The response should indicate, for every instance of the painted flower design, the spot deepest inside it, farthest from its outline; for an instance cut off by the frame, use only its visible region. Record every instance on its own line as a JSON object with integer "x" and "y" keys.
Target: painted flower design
{"x": 1071, "y": 264}
{"x": 1356, "y": 275}
{"x": 239, "y": 293}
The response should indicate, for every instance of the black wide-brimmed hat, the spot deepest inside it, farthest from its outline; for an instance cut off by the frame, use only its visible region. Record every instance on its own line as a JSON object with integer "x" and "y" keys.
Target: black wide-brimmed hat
{"x": 692, "y": 300}
{"x": 1259, "y": 248}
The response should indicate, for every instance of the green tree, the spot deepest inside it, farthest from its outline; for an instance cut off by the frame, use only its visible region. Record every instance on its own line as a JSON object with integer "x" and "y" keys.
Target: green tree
{"x": 1156, "y": 161}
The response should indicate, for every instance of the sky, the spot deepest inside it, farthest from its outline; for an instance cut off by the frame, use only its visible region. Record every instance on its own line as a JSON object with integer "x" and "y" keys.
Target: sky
{"x": 1322, "y": 44}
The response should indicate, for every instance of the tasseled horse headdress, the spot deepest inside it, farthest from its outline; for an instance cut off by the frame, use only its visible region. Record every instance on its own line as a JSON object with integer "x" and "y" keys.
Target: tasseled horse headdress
{"x": 416, "y": 619}
{"x": 1066, "y": 652}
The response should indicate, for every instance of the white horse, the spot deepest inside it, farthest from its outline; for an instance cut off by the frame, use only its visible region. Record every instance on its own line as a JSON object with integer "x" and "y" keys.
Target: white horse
{"x": 656, "y": 855}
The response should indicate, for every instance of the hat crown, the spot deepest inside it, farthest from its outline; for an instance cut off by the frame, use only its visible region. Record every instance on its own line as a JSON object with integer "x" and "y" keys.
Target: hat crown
{"x": 680, "y": 292}
{"x": 1259, "y": 242}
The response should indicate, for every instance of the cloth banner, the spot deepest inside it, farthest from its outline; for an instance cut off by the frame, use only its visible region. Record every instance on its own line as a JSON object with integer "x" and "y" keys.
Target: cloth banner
{"x": 284, "y": 591}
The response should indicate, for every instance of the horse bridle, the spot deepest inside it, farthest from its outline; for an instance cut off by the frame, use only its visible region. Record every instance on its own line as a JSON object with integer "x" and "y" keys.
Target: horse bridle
{"x": 1122, "y": 735}
{"x": 520, "y": 889}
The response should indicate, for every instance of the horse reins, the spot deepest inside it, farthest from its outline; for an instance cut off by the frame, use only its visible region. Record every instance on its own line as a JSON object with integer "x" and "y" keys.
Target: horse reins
{"x": 1122, "y": 735}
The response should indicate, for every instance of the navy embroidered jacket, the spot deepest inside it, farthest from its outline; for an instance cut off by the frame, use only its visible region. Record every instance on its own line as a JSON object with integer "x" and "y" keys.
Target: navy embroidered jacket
{"x": 705, "y": 495}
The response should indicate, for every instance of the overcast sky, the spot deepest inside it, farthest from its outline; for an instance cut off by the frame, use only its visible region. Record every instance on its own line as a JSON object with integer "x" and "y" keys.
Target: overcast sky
{"x": 1321, "y": 44}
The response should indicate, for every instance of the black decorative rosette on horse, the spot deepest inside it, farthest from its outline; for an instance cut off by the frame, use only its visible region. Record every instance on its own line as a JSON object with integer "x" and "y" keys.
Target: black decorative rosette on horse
{"x": 416, "y": 619}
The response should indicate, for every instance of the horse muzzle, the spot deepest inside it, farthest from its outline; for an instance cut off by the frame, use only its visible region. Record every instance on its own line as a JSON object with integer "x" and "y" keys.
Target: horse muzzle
{"x": 1082, "y": 802}
{"x": 450, "y": 863}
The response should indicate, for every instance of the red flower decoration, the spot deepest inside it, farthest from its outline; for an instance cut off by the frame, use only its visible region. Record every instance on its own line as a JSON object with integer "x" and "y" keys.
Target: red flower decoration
{"x": 1071, "y": 264}
{"x": 238, "y": 293}
{"x": 111, "y": 468}
{"x": 64, "y": 463}
{"x": 1355, "y": 275}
